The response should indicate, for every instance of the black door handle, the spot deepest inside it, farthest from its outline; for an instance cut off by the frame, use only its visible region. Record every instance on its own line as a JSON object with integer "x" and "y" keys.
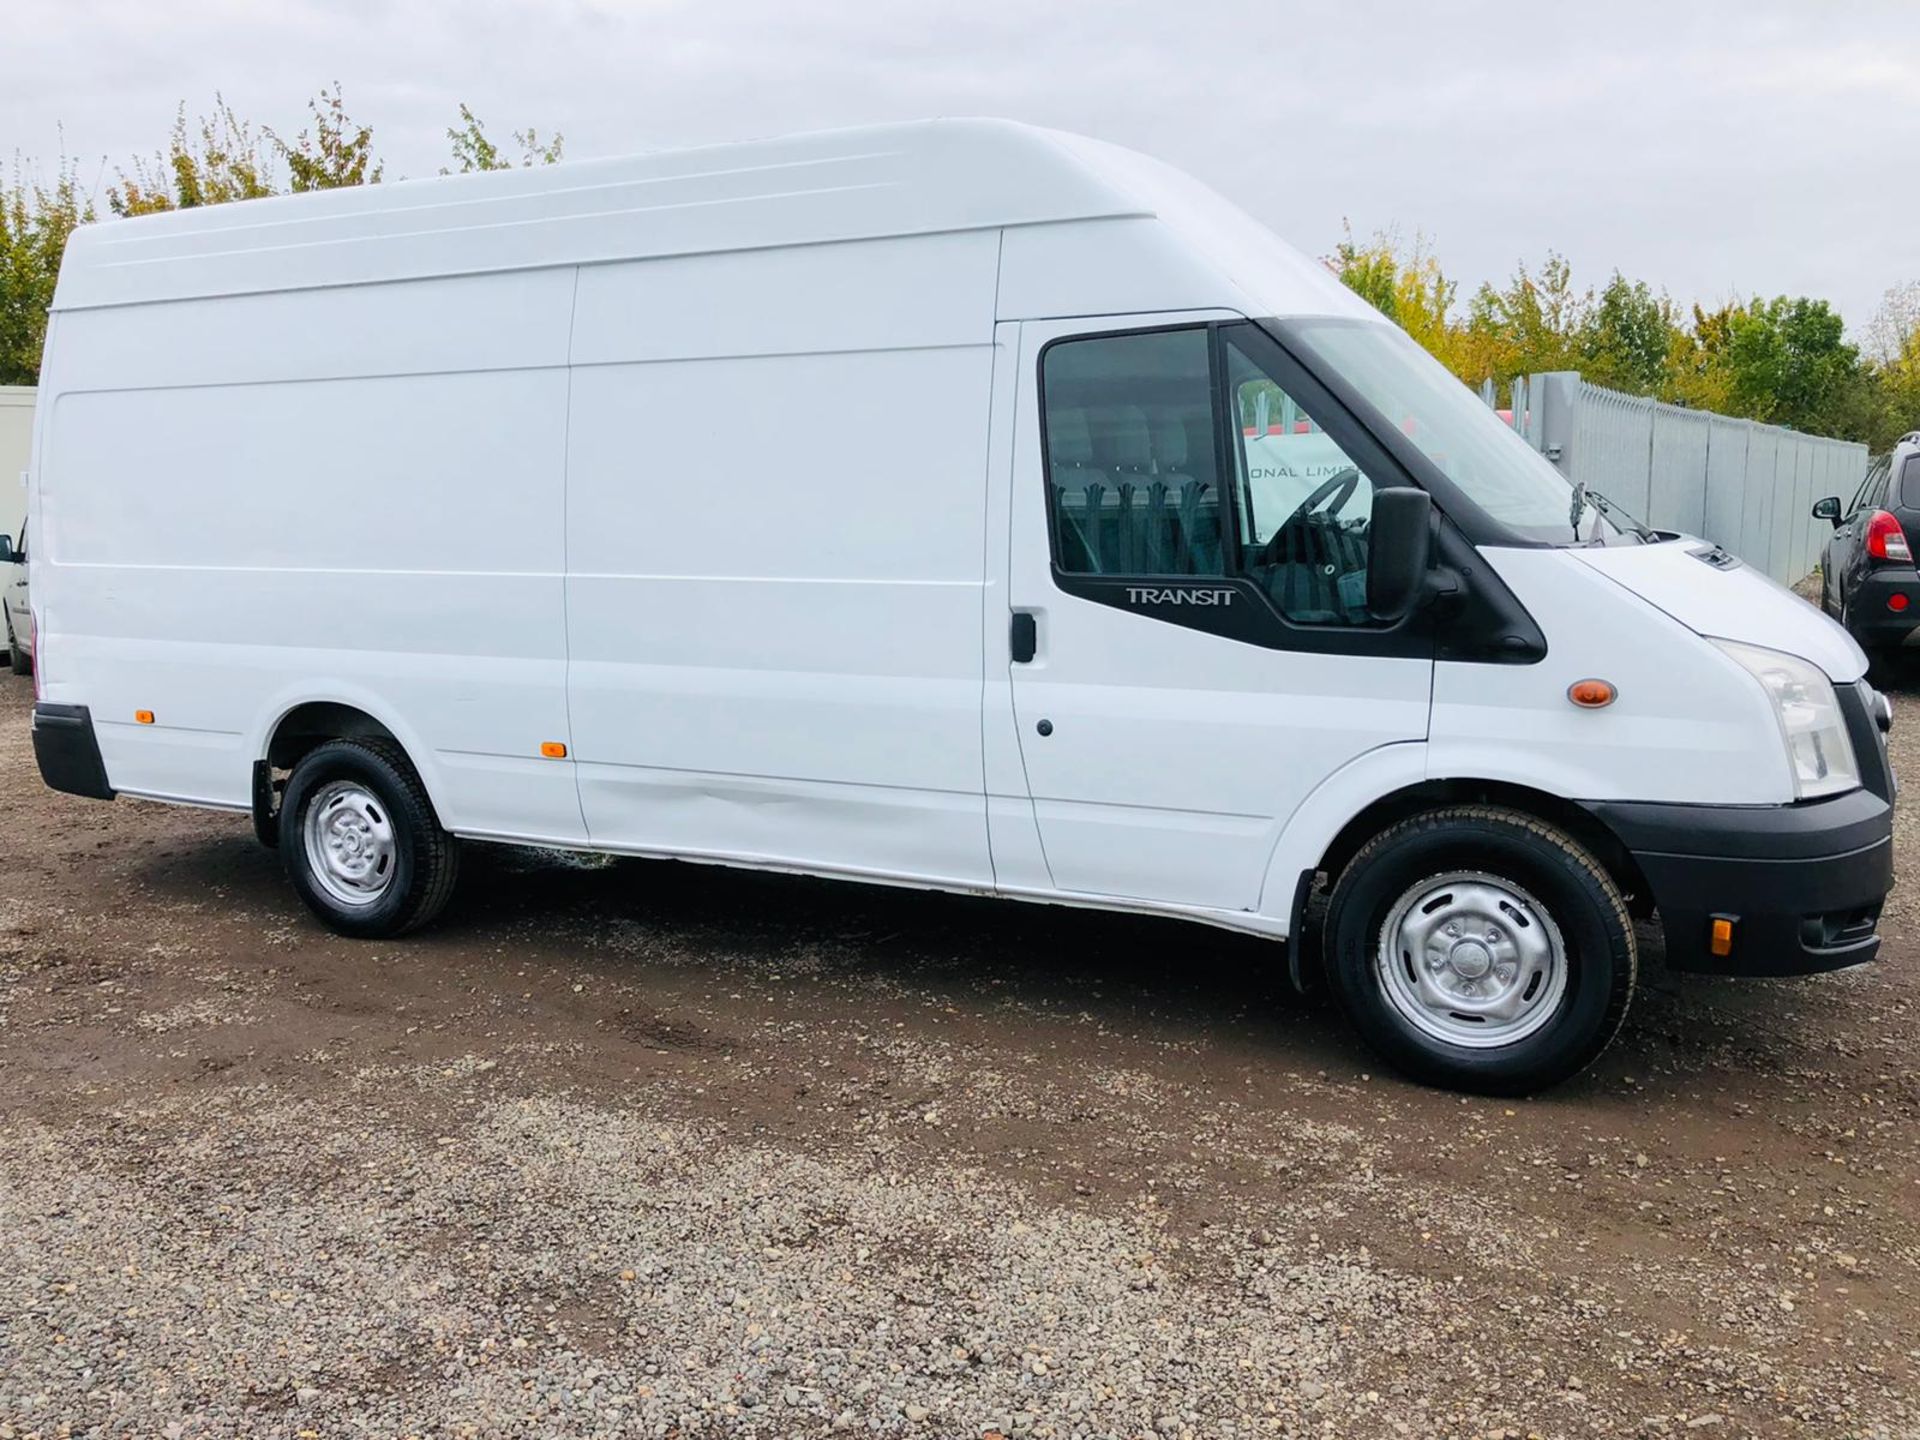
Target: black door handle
{"x": 1023, "y": 637}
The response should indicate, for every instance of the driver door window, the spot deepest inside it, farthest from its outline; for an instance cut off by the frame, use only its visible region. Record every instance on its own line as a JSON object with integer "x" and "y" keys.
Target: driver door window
{"x": 1130, "y": 455}
{"x": 1302, "y": 506}
{"x": 1190, "y": 453}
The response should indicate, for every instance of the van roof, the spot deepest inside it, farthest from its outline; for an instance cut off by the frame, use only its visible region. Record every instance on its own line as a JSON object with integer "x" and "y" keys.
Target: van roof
{"x": 919, "y": 178}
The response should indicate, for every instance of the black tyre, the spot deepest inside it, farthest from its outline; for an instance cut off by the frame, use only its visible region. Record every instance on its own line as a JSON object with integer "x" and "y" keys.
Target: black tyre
{"x": 1481, "y": 949}
{"x": 361, "y": 842}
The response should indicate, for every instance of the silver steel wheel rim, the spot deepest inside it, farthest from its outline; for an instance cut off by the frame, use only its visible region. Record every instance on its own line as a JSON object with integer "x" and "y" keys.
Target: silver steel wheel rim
{"x": 351, "y": 851}
{"x": 1472, "y": 960}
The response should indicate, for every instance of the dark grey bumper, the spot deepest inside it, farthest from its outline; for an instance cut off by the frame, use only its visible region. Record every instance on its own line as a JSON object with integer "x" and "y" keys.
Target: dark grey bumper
{"x": 68, "y": 752}
{"x": 1802, "y": 884}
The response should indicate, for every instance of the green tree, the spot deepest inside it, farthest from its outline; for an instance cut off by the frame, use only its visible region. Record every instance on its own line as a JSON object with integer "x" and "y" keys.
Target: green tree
{"x": 333, "y": 152}
{"x": 1789, "y": 363}
{"x": 1533, "y": 324}
{"x": 35, "y": 220}
{"x": 1626, "y": 338}
{"x": 1893, "y": 357}
{"x": 222, "y": 159}
{"x": 472, "y": 150}
{"x": 1696, "y": 368}
{"x": 1406, "y": 285}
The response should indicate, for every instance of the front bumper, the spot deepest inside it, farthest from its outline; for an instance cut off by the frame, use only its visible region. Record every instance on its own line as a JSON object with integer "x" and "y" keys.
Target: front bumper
{"x": 1801, "y": 884}
{"x": 68, "y": 752}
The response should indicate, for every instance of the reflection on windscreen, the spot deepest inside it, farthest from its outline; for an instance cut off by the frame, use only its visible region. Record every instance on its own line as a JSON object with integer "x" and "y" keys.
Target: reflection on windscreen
{"x": 1499, "y": 471}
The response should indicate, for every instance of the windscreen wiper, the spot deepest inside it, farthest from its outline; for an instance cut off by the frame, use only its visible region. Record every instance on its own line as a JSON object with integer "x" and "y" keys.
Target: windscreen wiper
{"x": 1613, "y": 512}
{"x": 1578, "y": 508}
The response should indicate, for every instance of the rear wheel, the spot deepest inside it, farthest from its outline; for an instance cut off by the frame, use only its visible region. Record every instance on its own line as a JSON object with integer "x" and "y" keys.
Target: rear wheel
{"x": 361, "y": 843}
{"x": 1481, "y": 949}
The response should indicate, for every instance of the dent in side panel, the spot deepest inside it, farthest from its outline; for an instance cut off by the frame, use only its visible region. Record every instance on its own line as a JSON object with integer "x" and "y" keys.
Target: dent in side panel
{"x": 774, "y": 591}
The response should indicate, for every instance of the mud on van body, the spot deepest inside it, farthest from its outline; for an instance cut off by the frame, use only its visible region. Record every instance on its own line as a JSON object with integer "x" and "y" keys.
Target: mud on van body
{"x": 594, "y": 506}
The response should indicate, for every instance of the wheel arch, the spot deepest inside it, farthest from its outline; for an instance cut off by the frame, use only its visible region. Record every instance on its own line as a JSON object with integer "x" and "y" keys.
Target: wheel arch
{"x": 311, "y": 724}
{"x": 1388, "y": 786}
{"x": 297, "y": 724}
{"x": 1576, "y": 820}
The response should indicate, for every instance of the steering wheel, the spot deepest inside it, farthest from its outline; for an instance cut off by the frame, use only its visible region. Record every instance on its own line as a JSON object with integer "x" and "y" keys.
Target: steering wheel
{"x": 1340, "y": 487}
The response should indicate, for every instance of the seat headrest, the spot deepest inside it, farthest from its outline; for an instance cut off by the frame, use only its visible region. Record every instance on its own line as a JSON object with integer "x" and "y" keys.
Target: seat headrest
{"x": 1069, "y": 441}
{"x": 1169, "y": 440}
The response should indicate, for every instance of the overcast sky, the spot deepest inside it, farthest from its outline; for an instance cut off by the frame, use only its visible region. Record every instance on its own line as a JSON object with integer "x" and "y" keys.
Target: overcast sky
{"x": 1715, "y": 148}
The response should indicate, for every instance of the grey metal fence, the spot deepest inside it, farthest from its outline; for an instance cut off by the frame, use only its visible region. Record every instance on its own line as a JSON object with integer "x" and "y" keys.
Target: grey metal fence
{"x": 1743, "y": 485}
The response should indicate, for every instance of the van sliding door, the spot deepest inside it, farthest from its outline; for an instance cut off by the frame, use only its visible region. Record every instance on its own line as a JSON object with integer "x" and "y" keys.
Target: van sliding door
{"x": 775, "y": 556}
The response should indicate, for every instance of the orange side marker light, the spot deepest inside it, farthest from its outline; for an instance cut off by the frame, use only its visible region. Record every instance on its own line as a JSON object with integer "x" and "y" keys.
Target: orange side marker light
{"x": 1721, "y": 942}
{"x": 553, "y": 750}
{"x": 143, "y": 717}
{"x": 1592, "y": 694}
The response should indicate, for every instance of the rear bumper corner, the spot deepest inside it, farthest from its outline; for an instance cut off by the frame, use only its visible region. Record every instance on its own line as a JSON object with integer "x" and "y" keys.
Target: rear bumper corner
{"x": 1869, "y": 614}
{"x": 68, "y": 752}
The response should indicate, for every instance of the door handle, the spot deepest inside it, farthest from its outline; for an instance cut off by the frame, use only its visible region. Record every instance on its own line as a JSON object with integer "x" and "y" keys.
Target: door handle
{"x": 1023, "y": 637}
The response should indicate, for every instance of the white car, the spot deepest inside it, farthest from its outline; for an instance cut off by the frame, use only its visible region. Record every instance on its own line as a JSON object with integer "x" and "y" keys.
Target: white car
{"x": 957, "y": 505}
{"x": 17, "y": 631}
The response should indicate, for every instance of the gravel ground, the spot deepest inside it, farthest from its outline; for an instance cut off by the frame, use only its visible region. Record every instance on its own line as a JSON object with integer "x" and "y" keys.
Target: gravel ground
{"x": 650, "y": 1149}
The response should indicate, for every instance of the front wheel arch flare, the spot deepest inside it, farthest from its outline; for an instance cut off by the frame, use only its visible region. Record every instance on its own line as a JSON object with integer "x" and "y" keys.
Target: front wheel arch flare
{"x": 1580, "y": 824}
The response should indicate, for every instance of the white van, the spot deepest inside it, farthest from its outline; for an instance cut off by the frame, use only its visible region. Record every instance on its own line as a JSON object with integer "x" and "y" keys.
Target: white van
{"x": 16, "y": 605}
{"x": 956, "y": 505}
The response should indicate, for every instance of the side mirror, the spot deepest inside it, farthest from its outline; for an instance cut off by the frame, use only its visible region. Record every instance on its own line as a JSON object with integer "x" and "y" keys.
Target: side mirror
{"x": 1827, "y": 509}
{"x": 6, "y": 550}
{"x": 1399, "y": 549}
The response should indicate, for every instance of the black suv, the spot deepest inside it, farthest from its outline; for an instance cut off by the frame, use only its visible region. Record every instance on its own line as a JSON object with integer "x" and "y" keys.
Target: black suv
{"x": 1867, "y": 576}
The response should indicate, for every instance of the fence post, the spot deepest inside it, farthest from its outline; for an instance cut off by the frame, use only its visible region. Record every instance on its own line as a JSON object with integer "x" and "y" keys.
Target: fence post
{"x": 1556, "y": 398}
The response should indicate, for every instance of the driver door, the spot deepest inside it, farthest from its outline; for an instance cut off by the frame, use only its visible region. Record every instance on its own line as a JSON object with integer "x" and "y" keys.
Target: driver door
{"x": 1189, "y": 521}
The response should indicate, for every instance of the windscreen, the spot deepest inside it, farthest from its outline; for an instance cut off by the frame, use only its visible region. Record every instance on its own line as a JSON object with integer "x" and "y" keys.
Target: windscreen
{"x": 1506, "y": 477}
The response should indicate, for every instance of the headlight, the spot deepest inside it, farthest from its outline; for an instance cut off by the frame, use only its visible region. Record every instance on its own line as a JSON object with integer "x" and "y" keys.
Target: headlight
{"x": 1818, "y": 749}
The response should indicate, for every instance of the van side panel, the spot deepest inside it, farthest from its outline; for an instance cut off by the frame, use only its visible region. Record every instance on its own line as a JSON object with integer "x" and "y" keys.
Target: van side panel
{"x": 776, "y": 492}
{"x": 350, "y": 496}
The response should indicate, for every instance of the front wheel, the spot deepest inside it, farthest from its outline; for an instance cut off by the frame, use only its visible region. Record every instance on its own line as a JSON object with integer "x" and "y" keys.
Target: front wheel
{"x": 1481, "y": 949}
{"x": 361, "y": 843}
